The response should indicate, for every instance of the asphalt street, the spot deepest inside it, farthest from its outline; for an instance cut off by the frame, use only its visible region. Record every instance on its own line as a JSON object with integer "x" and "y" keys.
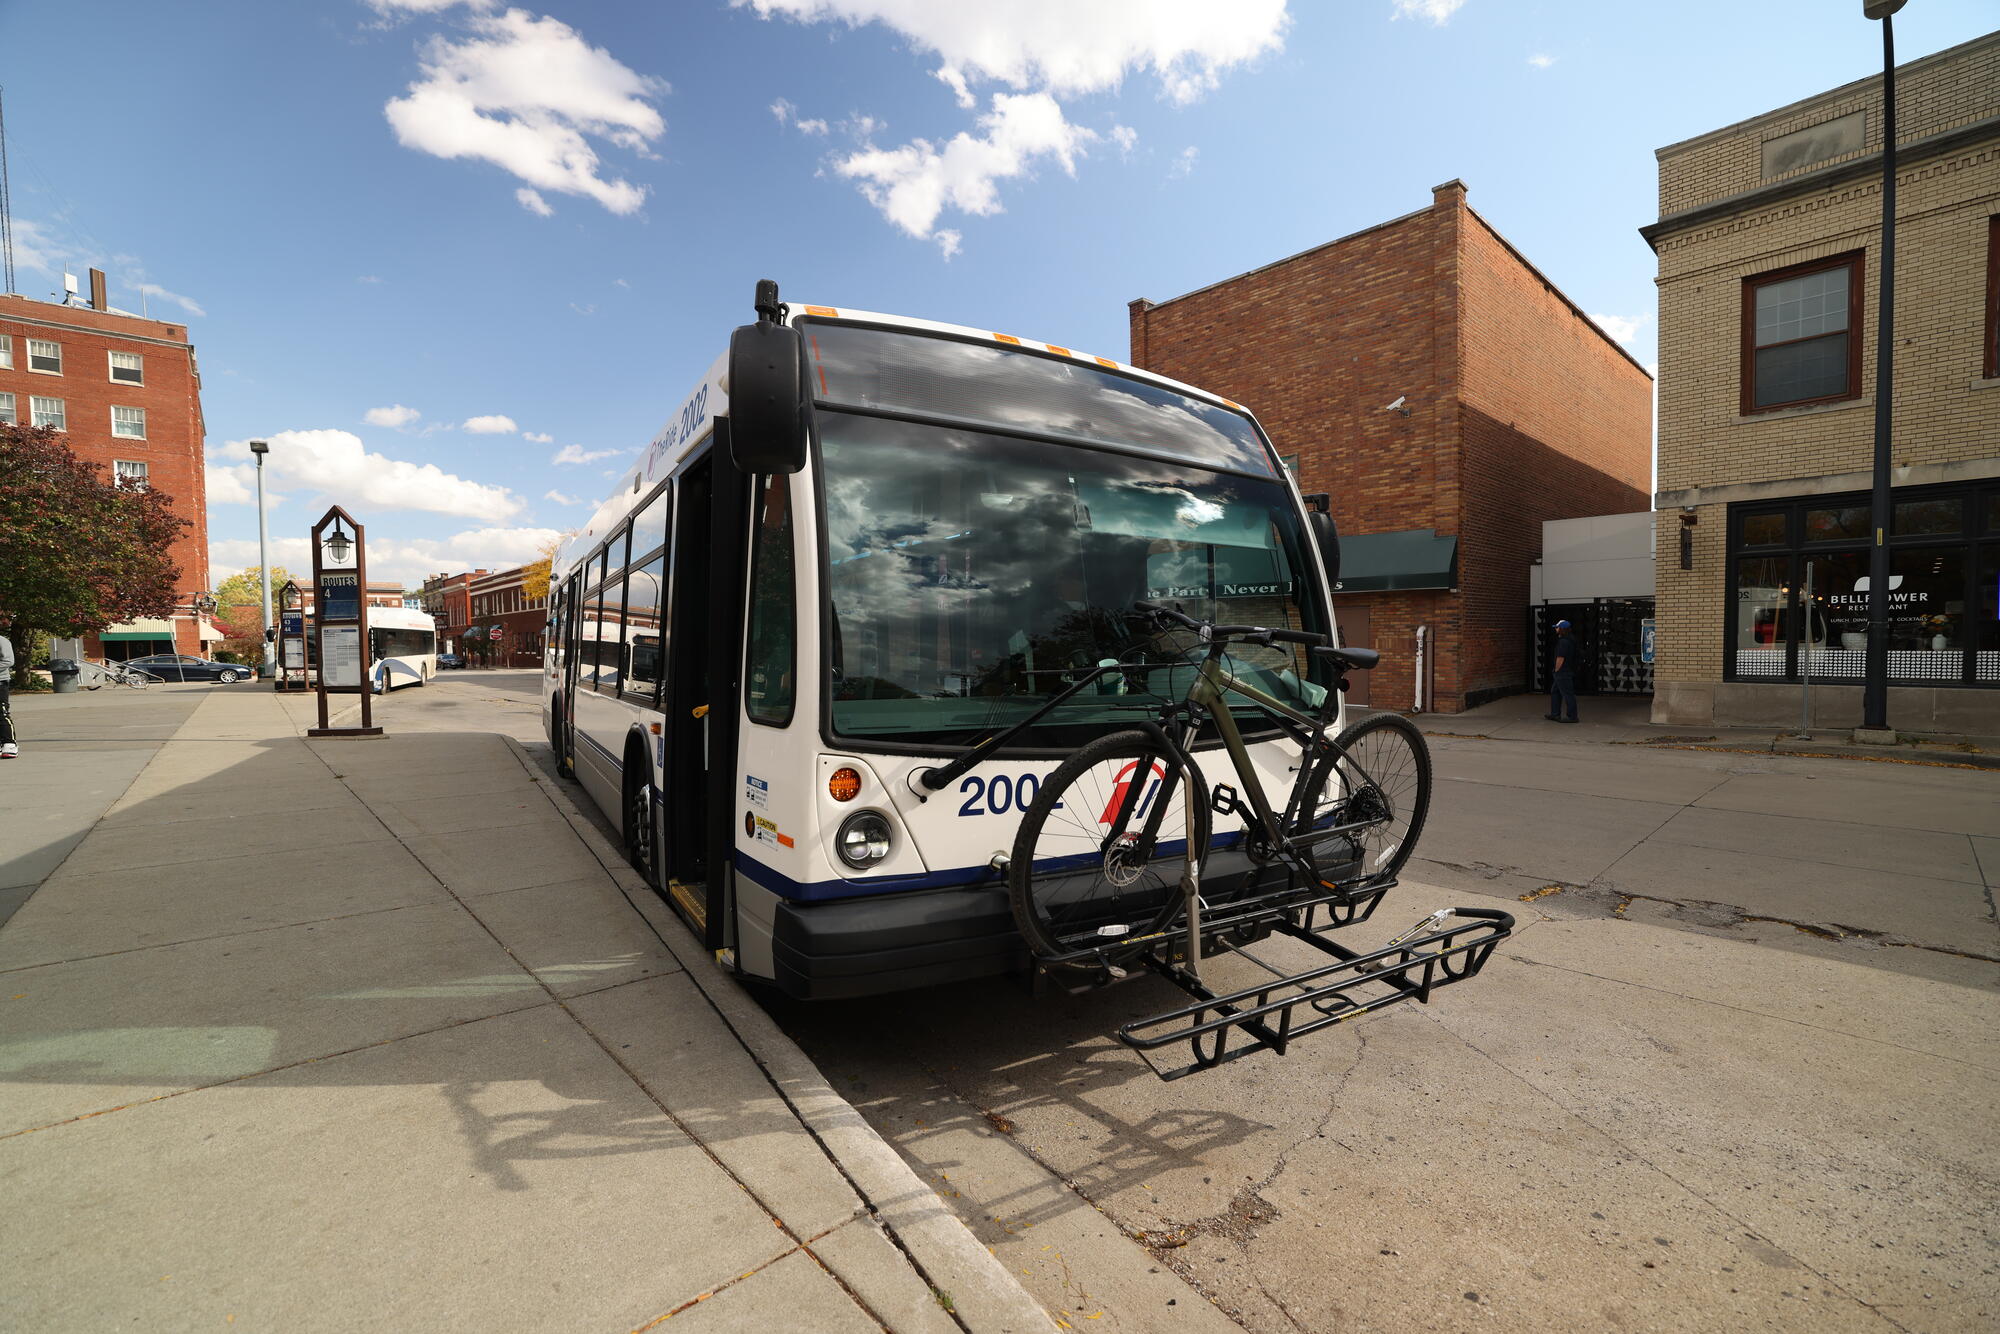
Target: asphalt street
{"x": 1737, "y": 1068}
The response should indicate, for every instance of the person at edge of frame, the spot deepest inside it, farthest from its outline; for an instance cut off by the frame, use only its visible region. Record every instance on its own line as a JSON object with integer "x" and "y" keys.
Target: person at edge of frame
{"x": 1562, "y": 679}
{"x": 8, "y": 750}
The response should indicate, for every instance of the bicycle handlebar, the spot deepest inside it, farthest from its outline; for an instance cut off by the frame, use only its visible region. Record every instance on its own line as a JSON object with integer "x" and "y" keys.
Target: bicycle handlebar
{"x": 1262, "y": 633}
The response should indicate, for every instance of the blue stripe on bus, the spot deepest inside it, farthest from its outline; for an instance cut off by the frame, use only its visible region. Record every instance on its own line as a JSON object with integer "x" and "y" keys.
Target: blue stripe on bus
{"x": 817, "y": 891}
{"x": 591, "y": 741}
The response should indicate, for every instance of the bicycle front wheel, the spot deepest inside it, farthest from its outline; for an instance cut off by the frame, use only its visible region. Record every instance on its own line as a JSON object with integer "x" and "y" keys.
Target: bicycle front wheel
{"x": 1377, "y": 776}
{"x": 1084, "y": 872}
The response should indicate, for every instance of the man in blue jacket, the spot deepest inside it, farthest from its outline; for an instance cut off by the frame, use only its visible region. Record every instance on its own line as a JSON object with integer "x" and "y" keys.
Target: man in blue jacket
{"x": 1562, "y": 679}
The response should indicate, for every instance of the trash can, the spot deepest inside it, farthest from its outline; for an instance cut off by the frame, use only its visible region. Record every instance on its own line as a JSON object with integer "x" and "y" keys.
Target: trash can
{"x": 63, "y": 674}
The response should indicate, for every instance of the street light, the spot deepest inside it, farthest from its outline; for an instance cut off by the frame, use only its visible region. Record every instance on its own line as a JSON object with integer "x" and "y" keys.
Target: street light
{"x": 260, "y": 448}
{"x": 1875, "y": 679}
{"x": 339, "y": 546}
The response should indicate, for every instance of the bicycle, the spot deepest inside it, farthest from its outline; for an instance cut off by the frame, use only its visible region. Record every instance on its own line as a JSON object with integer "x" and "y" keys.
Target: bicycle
{"x": 1108, "y": 866}
{"x": 118, "y": 674}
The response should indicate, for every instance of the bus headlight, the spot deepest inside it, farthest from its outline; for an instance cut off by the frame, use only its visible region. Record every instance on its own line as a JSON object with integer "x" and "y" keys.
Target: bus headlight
{"x": 864, "y": 839}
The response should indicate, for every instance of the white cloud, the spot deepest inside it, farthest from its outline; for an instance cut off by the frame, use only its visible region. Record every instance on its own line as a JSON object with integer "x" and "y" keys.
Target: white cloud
{"x": 532, "y": 201}
{"x": 1623, "y": 328}
{"x": 1125, "y": 137}
{"x": 393, "y": 416}
{"x": 495, "y": 424}
{"x": 423, "y": 6}
{"x": 368, "y": 278}
{"x": 562, "y": 499}
{"x": 577, "y": 454}
{"x": 159, "y": 293}
{"x": 336, "y": 464}
{"x": 913, "y": 184}
{"x": 1541, "y": 61}
{"x": 408, "y": 561}
{"x": 1041, "y": 50}
{"x": 226, "y": 488}
{"x": 1062, "y": 47}
{"x": 527, "y": 94}
{"x": 1183, "y": 163}
{"x": 789, "y": 114}
{"x": 1437, "y": 11}
{"x": 538, "y": 437}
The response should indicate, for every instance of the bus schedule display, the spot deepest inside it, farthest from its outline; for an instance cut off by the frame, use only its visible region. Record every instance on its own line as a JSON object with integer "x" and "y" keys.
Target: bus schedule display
{"x": 339, "y": 597}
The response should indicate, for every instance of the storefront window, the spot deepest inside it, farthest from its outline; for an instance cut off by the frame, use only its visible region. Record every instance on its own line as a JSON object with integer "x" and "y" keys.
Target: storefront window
{"x": 1761, "y": 600}
{"x": 1803, "y": 608}
{"x": 1839, "y": 524}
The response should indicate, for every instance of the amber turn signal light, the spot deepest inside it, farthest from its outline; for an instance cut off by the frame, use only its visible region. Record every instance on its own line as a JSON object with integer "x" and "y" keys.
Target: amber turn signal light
{"x": 845, "y": 785}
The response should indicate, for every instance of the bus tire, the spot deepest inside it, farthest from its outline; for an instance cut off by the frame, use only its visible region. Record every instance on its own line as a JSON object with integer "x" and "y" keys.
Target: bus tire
{"x": 641, "y": 829}
{"x": 559, "y": 741}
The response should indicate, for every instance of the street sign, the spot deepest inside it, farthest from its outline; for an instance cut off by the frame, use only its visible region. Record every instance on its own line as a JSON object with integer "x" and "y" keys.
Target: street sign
{"x": 292, "y": 622}
{"x": 1646, "y": 641}
{"x": 494, "y": 633}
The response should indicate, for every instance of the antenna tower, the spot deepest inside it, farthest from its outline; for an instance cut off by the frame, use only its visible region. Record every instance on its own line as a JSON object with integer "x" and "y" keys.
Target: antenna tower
{"x": 6, "y": 203}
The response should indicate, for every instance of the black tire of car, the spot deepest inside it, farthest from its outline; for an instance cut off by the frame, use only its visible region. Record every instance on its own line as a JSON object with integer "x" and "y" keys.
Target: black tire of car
{"x": 227, "y": 678}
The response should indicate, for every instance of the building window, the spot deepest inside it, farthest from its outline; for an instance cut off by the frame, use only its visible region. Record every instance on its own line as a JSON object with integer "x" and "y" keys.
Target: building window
{"x": 1989, "y": 333}
{"x": 131, "y": 470}
{"x": 6, "y": 352}
{"x": 128, "y": 368}
{"x": 7, "y": 417}
{"x": 1799, "y": 588}
{"x": 1800, "y": 340}
{"x": 44, "y": 356}
{"x": 48, "y": 412}
{"x": 128, "y": 423}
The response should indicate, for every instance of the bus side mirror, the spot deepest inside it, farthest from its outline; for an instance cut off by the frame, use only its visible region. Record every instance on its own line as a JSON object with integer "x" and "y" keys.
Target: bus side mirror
{"x": 767, "y": 399}
{"x": 1327, "y": 538}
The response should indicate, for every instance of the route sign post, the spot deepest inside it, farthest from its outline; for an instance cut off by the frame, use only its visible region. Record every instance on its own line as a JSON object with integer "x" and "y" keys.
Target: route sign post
{"x": 292, "y": 673}
{"x": 340, "y": 618}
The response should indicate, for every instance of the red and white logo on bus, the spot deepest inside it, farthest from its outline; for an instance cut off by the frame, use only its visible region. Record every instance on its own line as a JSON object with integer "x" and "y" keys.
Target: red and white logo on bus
{"x": 1123, "y": 782}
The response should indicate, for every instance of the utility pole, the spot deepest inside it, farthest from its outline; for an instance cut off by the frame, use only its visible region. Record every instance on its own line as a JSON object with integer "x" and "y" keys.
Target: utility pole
{"x": 260, "y": 448}
{"x": 1875, "y": 681}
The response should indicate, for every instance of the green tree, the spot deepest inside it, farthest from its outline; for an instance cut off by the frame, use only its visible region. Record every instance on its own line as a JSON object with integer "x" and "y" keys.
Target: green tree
{"x": 244, "y": 590}
{"x": 78, "y": 552}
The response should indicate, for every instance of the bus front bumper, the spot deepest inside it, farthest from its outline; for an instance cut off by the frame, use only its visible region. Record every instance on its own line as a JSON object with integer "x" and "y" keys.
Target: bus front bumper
{"x": 871, "y": 946}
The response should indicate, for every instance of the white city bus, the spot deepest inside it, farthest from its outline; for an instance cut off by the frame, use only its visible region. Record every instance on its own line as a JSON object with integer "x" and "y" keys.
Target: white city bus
{"x": 860, "y": 546}
{"x": 402, "y": 647}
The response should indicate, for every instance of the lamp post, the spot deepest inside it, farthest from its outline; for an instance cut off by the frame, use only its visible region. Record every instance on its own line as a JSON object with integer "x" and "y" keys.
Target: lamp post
{"x": 1875, "y": 681}
{"x": 260, "y": 448}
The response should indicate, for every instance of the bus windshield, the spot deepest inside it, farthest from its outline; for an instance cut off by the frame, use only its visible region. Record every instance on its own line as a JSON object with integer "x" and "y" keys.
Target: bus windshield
{"x": 973, "y": 575}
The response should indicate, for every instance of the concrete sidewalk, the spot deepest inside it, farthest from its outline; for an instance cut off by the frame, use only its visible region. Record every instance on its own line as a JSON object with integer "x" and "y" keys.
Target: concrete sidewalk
{"x": 1626, "y": 720}
{"x": 334, "y": 1034}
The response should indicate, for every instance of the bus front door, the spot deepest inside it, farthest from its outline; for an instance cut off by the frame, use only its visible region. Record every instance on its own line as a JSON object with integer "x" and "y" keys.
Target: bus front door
{"x": 688, "y": 699}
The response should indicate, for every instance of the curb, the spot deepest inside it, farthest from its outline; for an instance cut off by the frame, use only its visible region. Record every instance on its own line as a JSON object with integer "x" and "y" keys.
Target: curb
{"x": 943, "y": 1251}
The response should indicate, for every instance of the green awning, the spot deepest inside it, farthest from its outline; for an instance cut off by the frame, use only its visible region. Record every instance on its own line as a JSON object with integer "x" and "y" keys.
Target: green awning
{"x": 1415, "y": 558}
{"x": 136, "y": 634}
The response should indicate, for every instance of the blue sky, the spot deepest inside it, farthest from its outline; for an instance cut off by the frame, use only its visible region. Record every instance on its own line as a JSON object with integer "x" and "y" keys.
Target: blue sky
{"x": 458, "y": 260}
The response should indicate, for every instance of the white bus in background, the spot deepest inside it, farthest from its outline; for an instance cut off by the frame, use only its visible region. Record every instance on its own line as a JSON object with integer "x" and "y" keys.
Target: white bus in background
{"x": 860, "y": 546}
{"x": 402, "y": 647}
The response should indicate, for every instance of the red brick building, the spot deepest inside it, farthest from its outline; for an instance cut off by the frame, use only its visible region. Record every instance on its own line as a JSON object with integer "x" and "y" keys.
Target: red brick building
{"x": 448, "y": 598}
{"x": 501, "y": 604}
{"x": 1449, "y": 398}
{"x": 128, "y": 393}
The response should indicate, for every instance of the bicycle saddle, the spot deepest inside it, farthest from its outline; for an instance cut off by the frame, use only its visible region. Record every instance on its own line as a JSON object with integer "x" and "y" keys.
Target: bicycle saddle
{"x": 1357, "y": 659}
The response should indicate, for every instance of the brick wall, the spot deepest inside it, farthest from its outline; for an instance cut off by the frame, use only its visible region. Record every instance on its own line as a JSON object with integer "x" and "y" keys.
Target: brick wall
{"x": 1557, "y": 424}
{"x": 170, "y": 396}
{"x": 1519, "y": 410}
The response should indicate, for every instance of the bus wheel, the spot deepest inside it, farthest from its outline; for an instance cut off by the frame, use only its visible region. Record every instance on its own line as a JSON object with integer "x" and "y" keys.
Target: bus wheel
{"x": 641, "y": 832}
{"x": 559, "y": 741}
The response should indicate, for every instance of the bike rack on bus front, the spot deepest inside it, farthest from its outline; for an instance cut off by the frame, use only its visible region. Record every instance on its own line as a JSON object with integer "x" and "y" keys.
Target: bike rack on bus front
{"x": 1274, "y": 1014}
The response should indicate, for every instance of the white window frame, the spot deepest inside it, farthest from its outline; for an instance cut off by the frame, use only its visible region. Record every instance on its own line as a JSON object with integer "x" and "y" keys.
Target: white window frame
{"x": 111, "y": 364}
{"x": 144, "y": 478}
{"x": 33, "y": 343}
{"x": 127, "y": 435}
{"x": 8, "y": 415}
{"x": 6, "y": 352}
{"x": 61, "y": 412}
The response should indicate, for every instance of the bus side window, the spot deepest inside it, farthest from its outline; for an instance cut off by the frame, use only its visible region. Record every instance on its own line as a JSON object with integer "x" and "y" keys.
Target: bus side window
{"x": 771, "y": 674}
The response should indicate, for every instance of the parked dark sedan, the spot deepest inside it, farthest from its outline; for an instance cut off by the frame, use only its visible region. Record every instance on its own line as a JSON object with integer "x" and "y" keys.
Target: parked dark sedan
{"x": 450, "y": 660}
{"x": 180, "y": 667}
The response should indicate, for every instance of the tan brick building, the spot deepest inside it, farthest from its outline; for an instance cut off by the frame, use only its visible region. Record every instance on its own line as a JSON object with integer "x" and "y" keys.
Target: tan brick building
{"x": 1768, "y": 241}
{"x": 1449, "y": 399}
{"x": 127, "y": 392}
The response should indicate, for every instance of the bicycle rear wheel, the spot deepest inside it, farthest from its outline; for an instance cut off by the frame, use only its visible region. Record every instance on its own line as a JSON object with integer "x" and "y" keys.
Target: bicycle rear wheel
{"x": 1076, "y": 880}
{"x": 1379, "y": 777}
